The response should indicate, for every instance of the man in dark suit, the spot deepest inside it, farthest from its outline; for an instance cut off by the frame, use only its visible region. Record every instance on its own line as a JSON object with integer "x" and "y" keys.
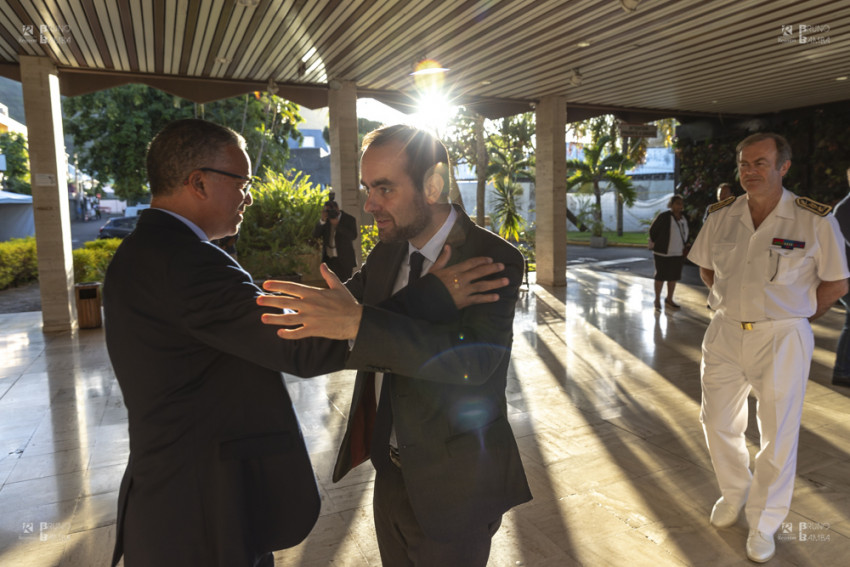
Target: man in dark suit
{"x": 446, "y": 459}
{"x": 338, "y": 231}
{"x": 218, "y": 473}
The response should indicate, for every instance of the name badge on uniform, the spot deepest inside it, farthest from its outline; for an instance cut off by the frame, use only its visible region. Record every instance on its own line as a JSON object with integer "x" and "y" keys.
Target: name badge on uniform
{"x": 788, "y": 244}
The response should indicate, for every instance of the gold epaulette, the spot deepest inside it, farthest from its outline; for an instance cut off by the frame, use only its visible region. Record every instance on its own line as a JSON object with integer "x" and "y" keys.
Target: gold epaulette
{"x": 720, "y": 204}
{"x": 819, "y": 209}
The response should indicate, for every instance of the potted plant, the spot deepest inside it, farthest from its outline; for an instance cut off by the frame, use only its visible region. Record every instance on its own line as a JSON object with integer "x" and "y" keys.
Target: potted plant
{"x": 276, "y": 239}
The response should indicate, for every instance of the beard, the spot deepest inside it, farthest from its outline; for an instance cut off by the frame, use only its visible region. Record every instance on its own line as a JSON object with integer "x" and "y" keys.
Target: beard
{"x": 421, "y": 219}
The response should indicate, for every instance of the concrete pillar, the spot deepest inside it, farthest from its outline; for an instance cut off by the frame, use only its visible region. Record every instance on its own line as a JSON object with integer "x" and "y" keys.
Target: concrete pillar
{"x": 345, "y": 175}
{"x": 551, "y": 191}
{"x": 43, "y": 111}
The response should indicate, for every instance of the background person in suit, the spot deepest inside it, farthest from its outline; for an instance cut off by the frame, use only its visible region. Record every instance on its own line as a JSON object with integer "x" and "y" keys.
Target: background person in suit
{"x": 338, "y": 230}
{"x": 447, "y": 462}
{"x": 218, "y": 473}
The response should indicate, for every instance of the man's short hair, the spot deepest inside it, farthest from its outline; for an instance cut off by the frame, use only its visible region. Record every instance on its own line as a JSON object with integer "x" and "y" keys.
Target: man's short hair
{"x": 783, "y": 148}
{"x": 183, "y": 146}
{"x": 425, "y": 153}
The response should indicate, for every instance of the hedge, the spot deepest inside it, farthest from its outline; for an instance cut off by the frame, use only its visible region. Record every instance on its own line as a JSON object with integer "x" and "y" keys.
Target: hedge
{"x": 19, "y": 261}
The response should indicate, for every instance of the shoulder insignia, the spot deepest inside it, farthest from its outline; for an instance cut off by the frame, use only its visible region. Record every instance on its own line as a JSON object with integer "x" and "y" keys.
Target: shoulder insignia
{"x": 720, "y": 204}
{"x": 819, "y": 209}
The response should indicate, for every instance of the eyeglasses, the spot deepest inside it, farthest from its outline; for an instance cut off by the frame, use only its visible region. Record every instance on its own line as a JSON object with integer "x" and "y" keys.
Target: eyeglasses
{"x": 245, "y": 188}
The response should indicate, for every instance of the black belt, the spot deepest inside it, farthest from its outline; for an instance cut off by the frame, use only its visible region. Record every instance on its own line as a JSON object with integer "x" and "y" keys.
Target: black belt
{"x": 394, "y": 456}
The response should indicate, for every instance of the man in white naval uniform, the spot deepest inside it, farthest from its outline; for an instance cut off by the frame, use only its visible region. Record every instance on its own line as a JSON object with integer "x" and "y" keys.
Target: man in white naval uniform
{"x": 773, "y": 262}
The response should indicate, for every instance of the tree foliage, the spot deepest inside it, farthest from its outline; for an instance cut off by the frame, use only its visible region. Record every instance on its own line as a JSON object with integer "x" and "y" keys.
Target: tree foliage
{"x": 602, "y": 164}
{"x": 16, "y": 178}
{"x": 266, "y": 121}
{"x": 511, "y": 160}
{"x": 508, "y": 159}
{"x": 111, "y": 130}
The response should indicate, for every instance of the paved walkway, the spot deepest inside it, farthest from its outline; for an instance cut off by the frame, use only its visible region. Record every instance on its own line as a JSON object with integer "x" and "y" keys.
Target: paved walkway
{"x": 604, "y": 400}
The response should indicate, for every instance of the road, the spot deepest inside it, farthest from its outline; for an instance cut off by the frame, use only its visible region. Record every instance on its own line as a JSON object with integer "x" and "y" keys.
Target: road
{"x": 637, "y": 261}
{"x": 82, "y": 232}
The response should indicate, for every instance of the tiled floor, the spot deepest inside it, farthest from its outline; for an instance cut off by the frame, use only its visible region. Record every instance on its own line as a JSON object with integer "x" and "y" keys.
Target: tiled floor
{"x": 604, "y": 400}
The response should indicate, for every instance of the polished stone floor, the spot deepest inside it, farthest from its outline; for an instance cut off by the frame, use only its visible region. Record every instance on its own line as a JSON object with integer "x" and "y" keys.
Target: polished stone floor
{"x": 604, "y": 400}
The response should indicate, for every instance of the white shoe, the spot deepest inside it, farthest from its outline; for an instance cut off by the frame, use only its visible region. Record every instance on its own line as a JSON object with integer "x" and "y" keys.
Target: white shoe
{"x": 724, "y": 515}
{"x": 760, "y": 546}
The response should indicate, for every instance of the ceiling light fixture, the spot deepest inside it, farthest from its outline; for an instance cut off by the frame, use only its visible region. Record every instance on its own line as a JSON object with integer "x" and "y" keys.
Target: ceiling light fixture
{"x": 629, "y": 5}
{"x": 429, "y": 71}
{"x": 576, "y": 78}
{"x": 843, "y": 78}
{"x": 583, "y": 44}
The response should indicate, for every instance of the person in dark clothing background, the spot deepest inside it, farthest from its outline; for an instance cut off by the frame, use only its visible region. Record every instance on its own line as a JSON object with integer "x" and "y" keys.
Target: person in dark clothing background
{"x": 338, "y": 230}
{"x": 668, "y": 237}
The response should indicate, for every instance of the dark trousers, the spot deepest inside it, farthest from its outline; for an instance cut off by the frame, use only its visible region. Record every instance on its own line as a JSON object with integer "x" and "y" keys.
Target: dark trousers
{"x": 402, "y": 542}
{"x": 842, "y": 353}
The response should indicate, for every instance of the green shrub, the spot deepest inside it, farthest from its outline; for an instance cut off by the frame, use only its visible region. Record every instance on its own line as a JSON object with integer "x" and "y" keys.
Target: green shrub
{"x": 277, "y": 231}
{"x": 18, "y": 262}
{"x": 91, "y": 261}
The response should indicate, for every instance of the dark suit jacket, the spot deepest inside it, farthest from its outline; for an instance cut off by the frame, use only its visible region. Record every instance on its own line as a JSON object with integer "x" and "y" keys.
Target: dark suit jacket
{"x": 218, "y": 471}
{"x": 445, "y": 381}
{"x": 346, "y": 233}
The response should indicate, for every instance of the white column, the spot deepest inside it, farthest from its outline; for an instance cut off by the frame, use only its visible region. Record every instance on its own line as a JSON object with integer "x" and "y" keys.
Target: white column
{"x": 345, "y": 177}
{"x": 551, "y": 192}
{"x": 43, "y": 111}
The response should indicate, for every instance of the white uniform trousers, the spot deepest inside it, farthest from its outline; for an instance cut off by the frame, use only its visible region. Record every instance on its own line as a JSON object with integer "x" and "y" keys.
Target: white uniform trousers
{"x": 773, "y": 360}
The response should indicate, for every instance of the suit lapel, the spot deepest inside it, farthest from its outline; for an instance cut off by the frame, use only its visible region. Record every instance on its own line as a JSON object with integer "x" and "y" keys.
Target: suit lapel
{"x": 382, "y": 279}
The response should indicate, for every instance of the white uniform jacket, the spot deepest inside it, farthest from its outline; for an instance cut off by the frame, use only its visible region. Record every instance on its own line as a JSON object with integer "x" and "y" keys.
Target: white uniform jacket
{"x": 773, "y": 272}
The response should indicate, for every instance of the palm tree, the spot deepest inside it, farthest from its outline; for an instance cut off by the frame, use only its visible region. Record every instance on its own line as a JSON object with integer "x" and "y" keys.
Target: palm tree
{"x": 505, "y": 212}
{"x": 507, "y": 167}
{"x": 601, "y": 164}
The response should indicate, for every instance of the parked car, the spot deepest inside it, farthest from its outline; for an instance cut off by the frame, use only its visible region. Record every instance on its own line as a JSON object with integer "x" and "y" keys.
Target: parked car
{"x": 118, "y": 227}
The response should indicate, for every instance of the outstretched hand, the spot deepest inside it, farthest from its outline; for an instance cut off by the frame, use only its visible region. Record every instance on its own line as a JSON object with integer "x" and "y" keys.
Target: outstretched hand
{"x": 463, "y": 280}
{"x": 332, "y": 313}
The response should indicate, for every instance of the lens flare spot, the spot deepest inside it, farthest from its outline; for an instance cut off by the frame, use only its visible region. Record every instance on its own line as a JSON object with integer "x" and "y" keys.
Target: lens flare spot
{"x": 429, "y": 75}
{"x": 461, "y": 336}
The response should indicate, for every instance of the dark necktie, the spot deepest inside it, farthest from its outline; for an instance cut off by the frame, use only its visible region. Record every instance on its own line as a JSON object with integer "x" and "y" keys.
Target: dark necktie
{"x": 416, "y": 260}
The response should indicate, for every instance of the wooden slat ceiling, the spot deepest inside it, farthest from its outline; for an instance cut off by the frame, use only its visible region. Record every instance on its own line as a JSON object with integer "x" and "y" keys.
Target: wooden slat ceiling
{"x": 668, "y": 58}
